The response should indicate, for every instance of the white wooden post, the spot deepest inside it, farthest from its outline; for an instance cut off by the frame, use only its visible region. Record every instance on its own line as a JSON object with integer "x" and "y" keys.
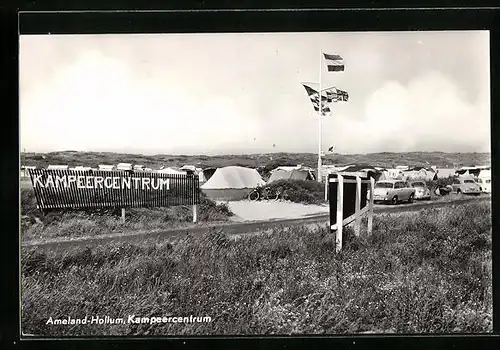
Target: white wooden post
{"x": 340, "y": 212}
{"x": 195, "y": 213}
{"x": 326, "y": 187}
{"x": 370, "y": 209}
{"x": 357, "y": 224}
{"x": 123, "y": 215}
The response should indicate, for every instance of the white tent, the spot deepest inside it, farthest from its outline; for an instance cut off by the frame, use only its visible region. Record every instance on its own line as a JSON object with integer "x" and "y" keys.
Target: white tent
{"x": 420, "y": 174}
{"x": 171, "y": 171}
{"x": 485, "y": 174}
{"x": 443, "y": 173}
{"x": 57, "y": 167}
{"x": 124, "y": 166}
{"x": 232, "y": 183}
{"x": 105, "y": 167}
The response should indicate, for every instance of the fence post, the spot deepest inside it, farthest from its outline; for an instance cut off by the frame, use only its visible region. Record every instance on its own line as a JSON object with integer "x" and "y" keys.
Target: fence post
{"x": 370, "y": 209}
{"x": 340, "y": 212}
{"x": 195, "y": 213}
{"x": 326, "y": 187}
{"x": 123, "y": 215}
{"x": 357, "y": 224}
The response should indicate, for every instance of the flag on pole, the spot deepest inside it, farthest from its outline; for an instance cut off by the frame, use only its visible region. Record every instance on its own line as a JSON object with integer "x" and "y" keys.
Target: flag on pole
{"x": 314, "y": 97}
{"x": 342, "y": 95}
{"x": 334, "y": 63}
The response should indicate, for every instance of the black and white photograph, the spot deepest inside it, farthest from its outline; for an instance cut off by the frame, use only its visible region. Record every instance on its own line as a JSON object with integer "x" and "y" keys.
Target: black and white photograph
{"x": 255, "y": 184}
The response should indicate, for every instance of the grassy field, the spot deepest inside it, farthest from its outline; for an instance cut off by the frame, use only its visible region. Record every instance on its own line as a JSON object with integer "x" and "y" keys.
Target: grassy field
{"x": 266, "y": 161}
{"x": 421, "y": 272}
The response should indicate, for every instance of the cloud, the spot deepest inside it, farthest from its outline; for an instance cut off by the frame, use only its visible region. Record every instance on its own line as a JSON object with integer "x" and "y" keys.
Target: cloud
{"x": 96, "y": 104}
{"x": 429, "y": 113}
{"x": 217, "y": 93}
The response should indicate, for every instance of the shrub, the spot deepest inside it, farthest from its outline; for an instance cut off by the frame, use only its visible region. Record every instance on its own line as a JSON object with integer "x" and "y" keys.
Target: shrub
{"x": 301, "y": 191}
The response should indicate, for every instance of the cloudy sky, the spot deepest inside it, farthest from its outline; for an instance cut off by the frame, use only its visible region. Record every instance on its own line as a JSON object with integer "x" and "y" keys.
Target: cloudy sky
{"x": 241, "y": 93}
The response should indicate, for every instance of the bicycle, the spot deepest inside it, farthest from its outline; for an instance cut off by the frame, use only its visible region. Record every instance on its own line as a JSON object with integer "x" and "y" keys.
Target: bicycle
{"x": 264, "y": 193}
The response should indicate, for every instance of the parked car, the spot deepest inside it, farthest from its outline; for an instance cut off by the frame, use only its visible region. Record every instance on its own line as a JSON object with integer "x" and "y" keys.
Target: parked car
{"x": 421, "y": 190}
{"x": 393, "y": 191}
{"x": 465, "y": 185}
{"x": 484, "y": 184}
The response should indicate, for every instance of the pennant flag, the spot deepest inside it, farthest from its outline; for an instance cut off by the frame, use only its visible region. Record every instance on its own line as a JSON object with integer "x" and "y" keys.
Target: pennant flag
{"x": 334, "y": 63}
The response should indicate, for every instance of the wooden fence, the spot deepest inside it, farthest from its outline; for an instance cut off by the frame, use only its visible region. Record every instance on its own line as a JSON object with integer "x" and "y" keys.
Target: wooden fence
{"x": 350, "y": 197}
{"x": 59, "y": 189}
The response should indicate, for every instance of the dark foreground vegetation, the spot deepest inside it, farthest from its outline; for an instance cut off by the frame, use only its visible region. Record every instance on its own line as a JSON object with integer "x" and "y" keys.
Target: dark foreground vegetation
{"x": 80, "y": 223}
{"x": 428, "y": 271}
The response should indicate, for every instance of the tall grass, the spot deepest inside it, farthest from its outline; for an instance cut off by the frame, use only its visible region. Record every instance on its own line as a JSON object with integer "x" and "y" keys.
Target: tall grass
{"x": 421, "y": 272}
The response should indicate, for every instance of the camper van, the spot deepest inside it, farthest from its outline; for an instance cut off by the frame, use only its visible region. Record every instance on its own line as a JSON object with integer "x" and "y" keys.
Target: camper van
{"x": 484, "y": 181}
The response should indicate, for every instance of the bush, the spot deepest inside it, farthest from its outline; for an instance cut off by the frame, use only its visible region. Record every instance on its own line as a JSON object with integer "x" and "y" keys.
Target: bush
{"x": 442, "y": 182}
{"x": 301, "y": 191}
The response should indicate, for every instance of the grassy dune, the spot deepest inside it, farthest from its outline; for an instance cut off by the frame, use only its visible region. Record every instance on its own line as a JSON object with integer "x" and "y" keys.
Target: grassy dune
{"x": 421, "y": 272}
{"x": 267, "y": 161}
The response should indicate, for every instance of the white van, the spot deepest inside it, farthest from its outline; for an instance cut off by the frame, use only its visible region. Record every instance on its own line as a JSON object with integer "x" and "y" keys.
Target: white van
{"x": 485, "y": 184}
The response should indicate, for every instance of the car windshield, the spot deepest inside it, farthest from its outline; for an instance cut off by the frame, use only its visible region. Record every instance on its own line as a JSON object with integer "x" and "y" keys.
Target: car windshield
{"x": 418, "y": 184}
{"x": 384, "y": 185}
{"x": 468, "y": 181}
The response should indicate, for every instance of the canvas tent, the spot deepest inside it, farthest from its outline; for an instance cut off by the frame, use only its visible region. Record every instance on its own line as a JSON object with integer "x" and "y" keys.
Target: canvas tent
{"x": 58, "y": 167}
{"x": 206, "y": 174}
{"x": 298, "y": 172}
{"x": 443, "y": 173}
{"x": 420, "y": 173}
{"x": 171, "y": 171}
{"x": 472, "y": 170}
{"x": 124, "y": 166}
{"x": 232, "y": 183}
{"x": 370, "y": 170}
{"x": 485, "y": 174}
{"x": 295, "y": 174}
{"x": 106, "y": 167}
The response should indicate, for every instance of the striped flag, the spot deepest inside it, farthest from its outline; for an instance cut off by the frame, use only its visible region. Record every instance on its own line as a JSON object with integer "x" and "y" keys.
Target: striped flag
{"x": 314, "y": 97}
{"x": 334, "y": 63}
{"x": 342, "y": 95}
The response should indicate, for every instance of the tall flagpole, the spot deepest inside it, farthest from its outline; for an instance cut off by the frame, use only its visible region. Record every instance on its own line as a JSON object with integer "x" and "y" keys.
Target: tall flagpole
{"x": 319, "y": 116}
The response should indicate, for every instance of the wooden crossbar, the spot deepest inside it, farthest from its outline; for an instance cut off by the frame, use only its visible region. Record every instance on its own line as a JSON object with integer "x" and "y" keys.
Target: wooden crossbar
{"x": 358, "y": 211}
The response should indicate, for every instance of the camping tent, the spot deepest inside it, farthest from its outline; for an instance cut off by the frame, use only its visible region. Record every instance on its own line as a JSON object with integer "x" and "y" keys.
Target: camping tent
{"x": 294, "y": 174}
{"x": 232, "y": 183}
{"x": 105, "y": 167}
{"x": 171, "y": 171}
{"x": 124, "y": 166}
{"x": 420, "y": 173}
{"x": 485, "y": 174}
{"x": 371, "y": 171}
{"x": 57, "y": 167}
{"x": 443, "y": 173}
{"x": 206, "y": 174}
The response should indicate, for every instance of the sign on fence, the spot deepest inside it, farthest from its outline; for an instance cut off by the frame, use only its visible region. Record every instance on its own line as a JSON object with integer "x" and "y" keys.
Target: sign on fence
{"x": 350, "y": 197}
{"x": 59, "y": 189}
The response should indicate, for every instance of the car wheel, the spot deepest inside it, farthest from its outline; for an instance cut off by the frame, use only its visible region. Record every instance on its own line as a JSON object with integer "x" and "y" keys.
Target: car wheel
{"x": 394, "y": 200}
{"x": 459, "y": 191}
{"x": 410, "y": 199}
